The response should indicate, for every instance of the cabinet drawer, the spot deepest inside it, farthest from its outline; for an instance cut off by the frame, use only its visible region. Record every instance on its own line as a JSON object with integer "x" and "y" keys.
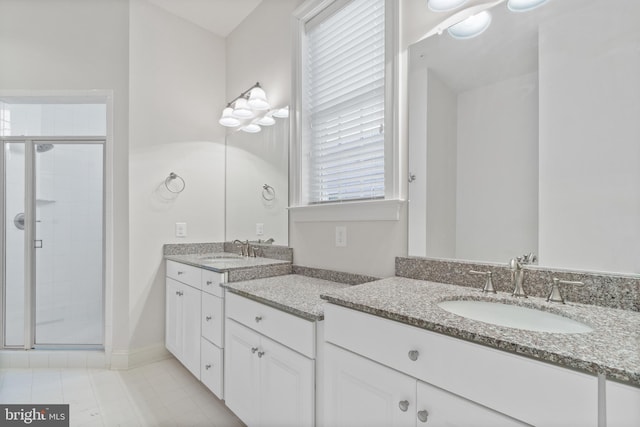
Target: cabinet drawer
{"x": 290, "y": 330}
{"x": 184, "y": 273}
{"x": 505, "y": 382}
{"x": 212, "y": 318}
{"x": 211, "y": 367}
{"x": 211, "y": 282}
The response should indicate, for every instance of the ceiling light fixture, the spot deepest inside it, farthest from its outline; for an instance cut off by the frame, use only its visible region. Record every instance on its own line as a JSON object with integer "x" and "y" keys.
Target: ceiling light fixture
{"x": 471, "y": 27}
{"x": 524, "y": 5}
{"x": 250, "y": 110}
{"x": 444, "y": 5}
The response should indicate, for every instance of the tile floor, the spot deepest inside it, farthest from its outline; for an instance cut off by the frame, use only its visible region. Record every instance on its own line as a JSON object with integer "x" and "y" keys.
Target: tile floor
{"x": 159, "y": 394}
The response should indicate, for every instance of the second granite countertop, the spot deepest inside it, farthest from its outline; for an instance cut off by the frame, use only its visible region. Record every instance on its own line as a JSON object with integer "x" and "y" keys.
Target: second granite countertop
{"x": 612, "y": 348}
{"x": 294, "y": 294}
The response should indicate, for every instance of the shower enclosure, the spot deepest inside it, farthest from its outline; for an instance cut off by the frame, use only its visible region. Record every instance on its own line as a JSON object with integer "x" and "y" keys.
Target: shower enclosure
{"x": 52, "y": 260}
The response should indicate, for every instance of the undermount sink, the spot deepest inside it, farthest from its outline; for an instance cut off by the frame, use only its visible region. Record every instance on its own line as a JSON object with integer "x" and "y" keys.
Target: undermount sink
{"x": 514, "y": 316}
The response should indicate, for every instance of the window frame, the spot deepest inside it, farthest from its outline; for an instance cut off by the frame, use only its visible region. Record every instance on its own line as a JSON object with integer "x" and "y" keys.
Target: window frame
{"x": 307, "y": 11}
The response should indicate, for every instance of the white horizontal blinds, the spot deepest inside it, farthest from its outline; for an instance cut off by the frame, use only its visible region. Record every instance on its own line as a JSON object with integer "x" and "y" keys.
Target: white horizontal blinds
{"x": 344, "y": 89}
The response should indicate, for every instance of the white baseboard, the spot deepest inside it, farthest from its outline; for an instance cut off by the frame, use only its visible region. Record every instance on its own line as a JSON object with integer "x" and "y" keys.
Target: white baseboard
{"x": 149, "y": 354}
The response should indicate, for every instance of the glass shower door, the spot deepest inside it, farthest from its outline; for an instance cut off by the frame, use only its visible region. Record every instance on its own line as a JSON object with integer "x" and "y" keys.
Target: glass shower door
{"x": 14, "y": 244}
{"x": 68, "y": 243}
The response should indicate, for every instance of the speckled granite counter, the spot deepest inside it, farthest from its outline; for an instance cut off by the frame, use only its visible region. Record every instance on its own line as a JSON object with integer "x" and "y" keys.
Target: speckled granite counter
{"x": 613, "y": 348}
{"x": 295, "y": 294}
{"x": 238, "y": 268}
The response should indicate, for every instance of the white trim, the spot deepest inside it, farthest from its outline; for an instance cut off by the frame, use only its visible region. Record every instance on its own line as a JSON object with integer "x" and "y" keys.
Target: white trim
{"x": 149, "y": 354}
{"x": 370, "y": 210}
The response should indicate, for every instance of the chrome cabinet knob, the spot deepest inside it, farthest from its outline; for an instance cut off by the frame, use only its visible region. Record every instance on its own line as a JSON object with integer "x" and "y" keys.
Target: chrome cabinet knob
{"x": 254, "y": 349}
{"x": 260, "y": 353}
{"x": 413, "y": 355}
{"x": 404, "y": 405}
{"x": 258, "y": 319}
{"x": 208, "y": 318}
{"x": 209, "y": 283}
{"x": 208, "y": 366}
{"x": 423, "y": 415}
{"x": 179, "y": 293}
{"x": 180, "y": 273}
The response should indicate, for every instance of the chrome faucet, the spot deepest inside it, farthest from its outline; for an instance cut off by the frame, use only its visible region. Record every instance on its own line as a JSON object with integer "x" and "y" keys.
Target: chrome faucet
{"x": 517, "y": 278}
{"x": 244, "y": 247}
{"x": 554, "y": 293}
{"x": 517, "y": 273}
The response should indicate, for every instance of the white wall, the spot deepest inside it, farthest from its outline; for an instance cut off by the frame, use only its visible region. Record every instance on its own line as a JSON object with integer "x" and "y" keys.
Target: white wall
{"x": 69, "y": 45}
{"x": 590, "y": 104}
{"x": 177, "y": 88}
{"x": 497, "y": 170}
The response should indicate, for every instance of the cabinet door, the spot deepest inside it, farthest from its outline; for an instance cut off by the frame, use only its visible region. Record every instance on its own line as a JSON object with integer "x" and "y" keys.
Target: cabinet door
{"x": 439, "y": 408}
{"x": 241, "y": 376}
{"x": 173, "y": 321}
{"x": 211, "y": 367}
{"x": 623, "y": 405}
{"x": 190, "y": 300}
{"x": 286, "y": 386}
{"x": 212, "y": 318}
{"x": 359, "y": 392}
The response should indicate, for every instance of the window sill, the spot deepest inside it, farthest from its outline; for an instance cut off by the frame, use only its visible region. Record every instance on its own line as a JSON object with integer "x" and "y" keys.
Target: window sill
{"x": 374, "y": 210}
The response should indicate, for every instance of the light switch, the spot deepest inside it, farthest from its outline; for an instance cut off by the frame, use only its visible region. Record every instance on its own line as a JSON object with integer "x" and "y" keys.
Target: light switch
{"x": 259, "y": 229}
{"x": 341, "y": 236}
{"x": 181, "y": 229}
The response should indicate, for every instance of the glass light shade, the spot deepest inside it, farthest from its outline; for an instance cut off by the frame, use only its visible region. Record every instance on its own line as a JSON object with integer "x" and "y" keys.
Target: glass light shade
{"x": 524, "y": 5}
{"x": 227, "y": 118}
{"x": 444, "y": 5}
{"x": 266, "y": 120}
{"x": 258, "y": 99}
{"x": 471, "y": 27}
{"x": 241, "y": 110}
{"x": 282, "y": 113}
{"x": 251, "y": 128}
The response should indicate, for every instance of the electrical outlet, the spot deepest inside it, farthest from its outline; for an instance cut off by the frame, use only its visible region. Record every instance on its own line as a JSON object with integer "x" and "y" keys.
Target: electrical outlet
{"x": 341, "y": 236}
{"x": 259, "y": 229}
{"x": 181, "y": 229}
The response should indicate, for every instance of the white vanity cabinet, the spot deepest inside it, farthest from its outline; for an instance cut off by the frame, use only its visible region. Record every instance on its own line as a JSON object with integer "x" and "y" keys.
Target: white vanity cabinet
{"x": 452, "y": 374}
{"x": 622, "y": 405}
{"x": 269, "y": 364}
{"x": 195, "y": 321}
{"x": 361, "y": 392}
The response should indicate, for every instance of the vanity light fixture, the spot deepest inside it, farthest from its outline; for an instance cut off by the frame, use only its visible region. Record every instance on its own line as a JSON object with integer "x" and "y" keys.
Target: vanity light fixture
{"x": 266, "y": 120}
{"x": 282, "y": 113}
{"x": 471, "y": 27}
{"x": 444, "y": 5}
{"x": 250, "y": 110}
{"x": 227, "y": 118}
{"x": 524, "y": 5}
{"x": 251, "y": 128}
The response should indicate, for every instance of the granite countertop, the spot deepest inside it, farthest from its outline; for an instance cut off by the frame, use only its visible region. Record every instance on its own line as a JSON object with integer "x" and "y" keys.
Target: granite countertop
{"x": 612, "y": 348}
{"x": 295, "y": 294}
{"x": 223, "y": 261}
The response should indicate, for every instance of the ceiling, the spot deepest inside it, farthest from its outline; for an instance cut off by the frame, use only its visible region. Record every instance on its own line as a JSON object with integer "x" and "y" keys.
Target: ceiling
{"x": 218, "y": 16}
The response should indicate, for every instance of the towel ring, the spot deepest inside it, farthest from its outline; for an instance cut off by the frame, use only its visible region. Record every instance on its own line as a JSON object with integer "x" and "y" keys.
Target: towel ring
{"x": 268, "y": 193}
{"x": 174, "y": 183}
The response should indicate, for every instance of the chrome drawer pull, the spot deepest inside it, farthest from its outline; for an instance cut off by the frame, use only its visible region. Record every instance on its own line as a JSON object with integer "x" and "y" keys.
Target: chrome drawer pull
{"x": 209, "y": 282}
{"x": 404, "y": 405}
{"x": 258, "y": 319}
{"x": 423, "y": 415}
{"x": 207, "y": 367}
{"x": 413, "y": 355}
{"x": 260, "y": 353}
{"x": 207, "y": 318}
{"x": 180, "y": 273}
{"x": 254, "y": 349}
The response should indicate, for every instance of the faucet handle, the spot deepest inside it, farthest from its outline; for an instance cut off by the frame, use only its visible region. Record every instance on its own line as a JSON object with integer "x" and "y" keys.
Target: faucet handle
{"x": 488, "y": 284}
{"x": 555, "y": 295}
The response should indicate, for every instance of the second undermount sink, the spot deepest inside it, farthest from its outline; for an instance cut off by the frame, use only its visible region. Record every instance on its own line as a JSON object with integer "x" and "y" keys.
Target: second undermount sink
{"x": 514, "y": 316}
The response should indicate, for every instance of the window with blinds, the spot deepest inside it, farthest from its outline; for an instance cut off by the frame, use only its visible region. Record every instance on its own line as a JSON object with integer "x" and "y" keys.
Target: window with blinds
{"x": 344, "y": 99}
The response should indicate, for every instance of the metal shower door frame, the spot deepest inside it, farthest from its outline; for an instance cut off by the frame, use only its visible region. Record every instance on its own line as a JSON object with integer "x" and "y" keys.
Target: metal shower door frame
{"x": 30, "y": 226}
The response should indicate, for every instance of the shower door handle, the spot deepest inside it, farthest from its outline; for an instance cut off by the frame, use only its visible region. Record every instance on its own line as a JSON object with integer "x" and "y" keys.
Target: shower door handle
{"x": 37, "y": 244}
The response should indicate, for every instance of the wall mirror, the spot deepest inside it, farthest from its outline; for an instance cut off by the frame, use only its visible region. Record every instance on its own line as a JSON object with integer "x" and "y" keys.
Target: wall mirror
{"x": 257, "y": 189}
{"x": 526, "y": 138}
